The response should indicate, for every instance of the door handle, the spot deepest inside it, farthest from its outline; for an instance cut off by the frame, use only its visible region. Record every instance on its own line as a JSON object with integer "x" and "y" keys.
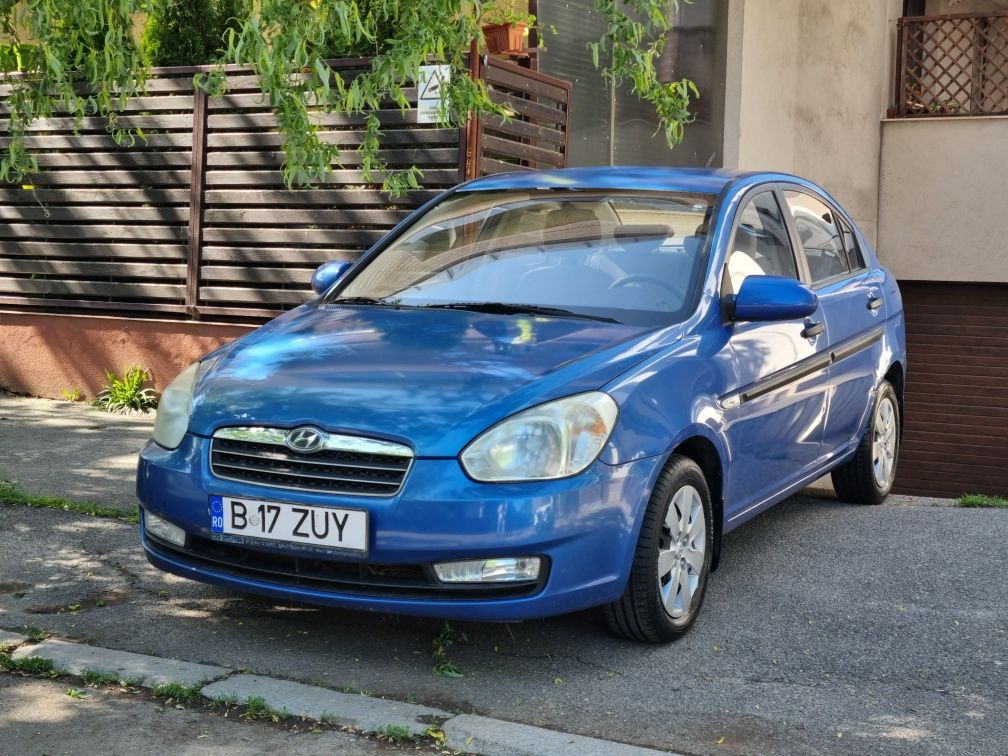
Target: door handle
{"x": 874, "y": 303}
{"x": 812, "y": 330}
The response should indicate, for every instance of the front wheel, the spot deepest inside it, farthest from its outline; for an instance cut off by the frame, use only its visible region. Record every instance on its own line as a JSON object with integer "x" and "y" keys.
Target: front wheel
{"x": 672, "y": 561}
{"x": 868, "y": 477}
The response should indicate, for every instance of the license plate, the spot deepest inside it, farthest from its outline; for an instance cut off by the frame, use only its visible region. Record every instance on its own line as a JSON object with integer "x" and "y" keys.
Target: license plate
{"x": 324, "y": 527}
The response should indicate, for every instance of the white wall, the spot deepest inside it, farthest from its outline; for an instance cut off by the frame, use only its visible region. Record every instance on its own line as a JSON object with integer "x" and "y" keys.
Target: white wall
{"x": 944, "y": 198}
{"x": 808, "y": 84}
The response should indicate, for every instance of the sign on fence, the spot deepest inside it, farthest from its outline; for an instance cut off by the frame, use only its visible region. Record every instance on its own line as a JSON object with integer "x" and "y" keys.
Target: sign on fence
{"x": 429, "y": 85}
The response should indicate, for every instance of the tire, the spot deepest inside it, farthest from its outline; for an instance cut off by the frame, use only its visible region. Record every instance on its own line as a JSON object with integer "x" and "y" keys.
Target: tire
{"x": 654, "y": 608}
{"x": 868, "y": 476}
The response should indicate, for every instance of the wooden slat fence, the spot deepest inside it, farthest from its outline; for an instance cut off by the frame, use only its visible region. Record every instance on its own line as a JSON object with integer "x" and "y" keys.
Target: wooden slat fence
{"x": 196, "y": 222}
{"x": 952, "y": 65}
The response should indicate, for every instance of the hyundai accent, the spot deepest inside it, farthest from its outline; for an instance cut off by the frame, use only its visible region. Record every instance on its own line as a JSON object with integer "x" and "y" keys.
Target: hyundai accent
{"x": 539, "y": 393}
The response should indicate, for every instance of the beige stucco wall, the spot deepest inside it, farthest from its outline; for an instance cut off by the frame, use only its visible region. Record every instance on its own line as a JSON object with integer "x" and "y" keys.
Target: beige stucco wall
{"x": 808, "y": 83}
{"x": 943, "y": 195}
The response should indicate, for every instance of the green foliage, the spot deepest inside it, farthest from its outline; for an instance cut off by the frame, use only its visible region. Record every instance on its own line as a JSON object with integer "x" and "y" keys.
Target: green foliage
{"x": 71, "y": 394}
{"x": 95, "y": 677}
{"x": 13, "y": 494}
{"x": 127, "y": 394}
{"x": 177, "y": 693}
{"x": 29, "y": 665}
{"x": 15, "y": 57}
{"x": 80, "y": 42}
{"x": 395, "y": 734}
{"x": 445, "y": 639}
{"x": 189, "y": 32}
{"x": 34, "y": 634}
{"x": 635, "y": 39}
{"x": 982, "y": 500}
{"x": 90, "y": 65}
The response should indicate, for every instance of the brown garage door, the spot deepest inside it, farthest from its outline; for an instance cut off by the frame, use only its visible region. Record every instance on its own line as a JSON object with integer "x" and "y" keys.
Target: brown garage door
{"x": 956, "y": 419}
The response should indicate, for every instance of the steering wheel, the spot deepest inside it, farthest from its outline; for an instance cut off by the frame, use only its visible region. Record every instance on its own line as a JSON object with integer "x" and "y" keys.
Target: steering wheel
{"x": 675, "y": 290}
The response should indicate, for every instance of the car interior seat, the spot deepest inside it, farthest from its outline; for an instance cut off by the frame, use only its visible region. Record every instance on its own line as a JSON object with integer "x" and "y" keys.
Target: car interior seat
{"x": 742, "y": 261}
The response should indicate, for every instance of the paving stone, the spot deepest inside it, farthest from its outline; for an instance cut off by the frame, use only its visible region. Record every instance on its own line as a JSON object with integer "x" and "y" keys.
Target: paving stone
{"x": 495, "y": 737}
{"x": 74, "y": 658}
{"x": 360, "y": 712}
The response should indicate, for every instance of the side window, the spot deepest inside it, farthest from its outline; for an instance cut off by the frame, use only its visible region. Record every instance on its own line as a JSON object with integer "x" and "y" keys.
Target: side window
{"x": 760, "y": 243}
{"x": 819, "y": 235}
{"x": 855, "y": 258}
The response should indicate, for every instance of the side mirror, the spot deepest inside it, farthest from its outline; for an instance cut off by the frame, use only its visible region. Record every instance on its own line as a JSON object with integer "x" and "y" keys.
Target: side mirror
{"x": 327, "y": 274}
{"x": 773, "y": 298}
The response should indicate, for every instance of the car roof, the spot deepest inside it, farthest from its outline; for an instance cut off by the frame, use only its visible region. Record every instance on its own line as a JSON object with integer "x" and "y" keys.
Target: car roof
{"x": 705, "y": 180}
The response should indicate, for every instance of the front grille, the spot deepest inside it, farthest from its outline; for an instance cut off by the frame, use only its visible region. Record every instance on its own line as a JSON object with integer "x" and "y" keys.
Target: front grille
{"x": 344, "y": 465}
{"x": 359, "y": 578}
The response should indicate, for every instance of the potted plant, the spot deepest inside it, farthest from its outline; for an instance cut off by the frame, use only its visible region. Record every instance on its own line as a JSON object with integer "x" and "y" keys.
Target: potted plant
{"x": 505, "y": 30}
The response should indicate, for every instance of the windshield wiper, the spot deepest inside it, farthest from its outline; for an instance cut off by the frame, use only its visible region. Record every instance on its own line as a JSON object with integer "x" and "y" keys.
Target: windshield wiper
{"x": 504, "y": 308}
{"x": 367, "y": 301}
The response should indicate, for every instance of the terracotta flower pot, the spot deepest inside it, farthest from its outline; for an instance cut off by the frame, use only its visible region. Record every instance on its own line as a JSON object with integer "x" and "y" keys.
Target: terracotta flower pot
{"x": 505, "y": 38}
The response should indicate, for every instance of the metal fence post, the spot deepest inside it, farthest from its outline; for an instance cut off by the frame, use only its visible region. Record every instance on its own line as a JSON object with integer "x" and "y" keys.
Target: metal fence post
{"x": 196, "y": 188}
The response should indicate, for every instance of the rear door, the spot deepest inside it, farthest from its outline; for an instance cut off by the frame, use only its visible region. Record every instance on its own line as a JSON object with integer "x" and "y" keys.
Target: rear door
{"x": 852, "y": 302}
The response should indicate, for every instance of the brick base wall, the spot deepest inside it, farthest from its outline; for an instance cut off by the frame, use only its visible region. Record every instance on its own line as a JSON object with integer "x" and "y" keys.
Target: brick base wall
{"x": 41, "y": 355}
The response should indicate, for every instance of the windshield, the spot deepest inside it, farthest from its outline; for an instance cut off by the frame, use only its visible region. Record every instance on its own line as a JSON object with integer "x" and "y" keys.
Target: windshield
{"x": 630, "y": 257}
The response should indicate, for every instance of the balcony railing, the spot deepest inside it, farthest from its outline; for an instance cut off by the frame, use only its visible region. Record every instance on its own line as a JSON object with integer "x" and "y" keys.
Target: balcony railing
{"x": 953, "y": 65}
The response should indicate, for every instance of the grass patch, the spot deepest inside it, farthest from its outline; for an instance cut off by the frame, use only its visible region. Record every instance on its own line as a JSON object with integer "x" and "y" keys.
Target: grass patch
{"x": 11, "y": 493}
{"x": 229, "y": 700}
{"x": 445, "y": 639}
{"x": 982, "y": 500}
{"x": 257, "y": 708}
{"x": 94, "y": 677}
{"x": 34, "y": 634}
{"x": 30, "y": 665}
{"x": 177, "y": 692}
{"x": 394, "y": 734}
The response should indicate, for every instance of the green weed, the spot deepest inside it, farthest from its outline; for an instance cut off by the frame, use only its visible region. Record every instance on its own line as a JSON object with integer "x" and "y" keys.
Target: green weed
{"x": 127, "y": 394}
{"x": 11, "y": 493}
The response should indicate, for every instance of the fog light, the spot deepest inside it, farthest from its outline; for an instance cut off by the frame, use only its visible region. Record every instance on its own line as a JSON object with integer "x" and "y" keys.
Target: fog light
{"x": 163, "y": 529}
{"x": 503, "y": 570}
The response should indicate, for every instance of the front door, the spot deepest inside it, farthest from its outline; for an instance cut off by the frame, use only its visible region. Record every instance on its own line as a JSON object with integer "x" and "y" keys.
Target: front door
{"x": 782, "y": 367}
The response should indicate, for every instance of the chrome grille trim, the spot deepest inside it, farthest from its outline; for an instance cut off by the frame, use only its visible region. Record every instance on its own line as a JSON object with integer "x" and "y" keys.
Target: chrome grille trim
{"x": 331, "y": 441}
{"x": 344, "y": 465}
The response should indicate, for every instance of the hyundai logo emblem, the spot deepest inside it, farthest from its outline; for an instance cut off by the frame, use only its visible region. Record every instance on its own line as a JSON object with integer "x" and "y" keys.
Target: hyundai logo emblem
{"x": 304, "y": 440}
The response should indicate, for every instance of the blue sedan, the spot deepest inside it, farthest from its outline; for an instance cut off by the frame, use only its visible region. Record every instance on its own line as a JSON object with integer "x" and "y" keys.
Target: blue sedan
{"x": 541, "y": 392}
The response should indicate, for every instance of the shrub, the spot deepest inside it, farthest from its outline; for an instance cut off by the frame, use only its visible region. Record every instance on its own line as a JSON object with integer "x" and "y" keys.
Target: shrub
{"x": 188, "y": 32}
{"x": 127, "y": 394}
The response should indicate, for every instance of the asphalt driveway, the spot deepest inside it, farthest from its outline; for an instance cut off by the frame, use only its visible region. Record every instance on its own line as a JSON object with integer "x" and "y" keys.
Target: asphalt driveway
{"x": 828, "y": 628}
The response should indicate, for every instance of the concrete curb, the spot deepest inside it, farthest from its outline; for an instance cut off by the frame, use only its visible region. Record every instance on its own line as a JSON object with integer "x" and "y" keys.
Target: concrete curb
{"x": 360, "y": 712}
{"x": 463, "y": 732}
{"x": 471, "y": 733}
{"x": 11, "y": 639}
{"x": 74, "y": 658}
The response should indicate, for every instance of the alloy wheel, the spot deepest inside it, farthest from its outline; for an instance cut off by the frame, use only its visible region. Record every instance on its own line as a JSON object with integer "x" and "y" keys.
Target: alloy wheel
{"x": 884, "y": 439}
{"x": 681, "y": 549}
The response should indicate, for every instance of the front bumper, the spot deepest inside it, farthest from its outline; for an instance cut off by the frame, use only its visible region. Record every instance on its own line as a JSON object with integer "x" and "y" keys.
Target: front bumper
{"x": 584, "y": 527}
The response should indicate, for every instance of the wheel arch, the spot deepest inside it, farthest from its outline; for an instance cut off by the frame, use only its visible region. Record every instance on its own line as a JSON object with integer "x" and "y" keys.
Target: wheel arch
{"x": 702, "y": 450}
{"x": 896, "y": 375}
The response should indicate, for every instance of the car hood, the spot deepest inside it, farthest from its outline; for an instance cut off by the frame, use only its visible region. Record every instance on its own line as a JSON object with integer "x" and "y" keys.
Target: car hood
{"x": 433, "y": 379}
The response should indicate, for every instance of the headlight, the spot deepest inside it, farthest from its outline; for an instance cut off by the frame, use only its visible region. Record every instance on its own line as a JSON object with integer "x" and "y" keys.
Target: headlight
{"x": 173, "y": 410}
{"x": 554, "y": 440}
